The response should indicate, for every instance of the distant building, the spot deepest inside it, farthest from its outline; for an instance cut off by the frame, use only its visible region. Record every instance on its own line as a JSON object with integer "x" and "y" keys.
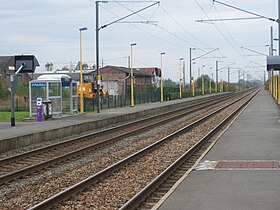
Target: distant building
{"x": 154, "y": 72}
{"x": 116, "y": 80}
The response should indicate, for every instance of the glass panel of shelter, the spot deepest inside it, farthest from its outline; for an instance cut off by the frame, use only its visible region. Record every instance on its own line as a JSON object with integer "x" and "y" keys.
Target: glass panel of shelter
{"x": 55, "y": 97}
{"x": 38, "y": 90}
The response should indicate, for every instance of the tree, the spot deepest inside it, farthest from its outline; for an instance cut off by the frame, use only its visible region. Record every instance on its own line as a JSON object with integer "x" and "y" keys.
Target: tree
{"x": 169, "y": 83}
{"x": 65, "y": 68}
{"x": 206, "y": 79}
{"x": 84, "y": 66}
{"x": 49, "y": 66}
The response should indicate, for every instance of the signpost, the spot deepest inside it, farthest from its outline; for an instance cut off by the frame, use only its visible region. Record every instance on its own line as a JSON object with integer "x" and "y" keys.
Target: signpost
{"x": 23, "y": 64}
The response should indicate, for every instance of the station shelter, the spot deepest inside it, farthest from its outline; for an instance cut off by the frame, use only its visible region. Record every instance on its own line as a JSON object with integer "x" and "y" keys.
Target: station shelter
{"x": 59, "y": 89}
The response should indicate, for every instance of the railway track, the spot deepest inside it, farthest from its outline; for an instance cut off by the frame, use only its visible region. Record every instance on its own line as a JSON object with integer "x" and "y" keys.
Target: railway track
{"x": 123, "y": 180}
{"x": 42, "y": 158}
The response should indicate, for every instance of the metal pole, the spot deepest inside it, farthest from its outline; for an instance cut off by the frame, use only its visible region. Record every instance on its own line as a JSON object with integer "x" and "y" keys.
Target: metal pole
{"x": 184, "y": 74}
{"x": 264, "y": 78}
{"x": 81, "y": 77}
{"x": 161, "y": 78}
{"x": 12, "y": 78}
{"x": 98, "y": 78}
{"x": 131, "y": 78}
{"x": 271, "y": 41}
{"x": 202, "y": 81}
{"x": 212, "y": 79}
{"x": 228, "y": 80}
{"x": 192, "y": 82}
{"x": 180, "y": 75}
{"x": 13, "y": 122}
{"x": 239, "y": 79}
{"x": 243, "y": 80}
{"x": 271, "y": 54}
{"x": 191, "y": 69}
{"x": 217, "y": 69}
{"x": 278, "y": 27}
{"x": 278, "y": 34}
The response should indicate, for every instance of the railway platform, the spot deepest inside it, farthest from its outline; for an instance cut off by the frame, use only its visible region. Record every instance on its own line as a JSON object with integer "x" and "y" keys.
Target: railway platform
{"x": 241, "y": 171}
{"x": 26, "y": 133}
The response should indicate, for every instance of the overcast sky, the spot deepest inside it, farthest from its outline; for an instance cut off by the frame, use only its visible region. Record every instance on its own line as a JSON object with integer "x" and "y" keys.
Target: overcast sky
{"x": 49, "y": 29}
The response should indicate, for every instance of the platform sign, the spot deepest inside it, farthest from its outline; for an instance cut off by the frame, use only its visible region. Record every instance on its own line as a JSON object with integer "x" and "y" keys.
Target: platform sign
{"x": 273, "y": 63}
{"x": 38, "y": 84}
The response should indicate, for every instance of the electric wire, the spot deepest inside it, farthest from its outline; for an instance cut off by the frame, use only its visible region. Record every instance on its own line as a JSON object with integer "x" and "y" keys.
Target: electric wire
{"x": 221, "y": 33}
{"x": 145, "y": 31}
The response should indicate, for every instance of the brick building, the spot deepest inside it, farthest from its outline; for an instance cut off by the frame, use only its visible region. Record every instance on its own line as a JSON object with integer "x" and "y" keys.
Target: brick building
{"x": 116, "y": 80}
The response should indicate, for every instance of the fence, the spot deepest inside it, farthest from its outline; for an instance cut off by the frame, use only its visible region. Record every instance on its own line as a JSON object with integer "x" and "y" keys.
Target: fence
{"x": 21, "y": 104}
{"x": 111, "y": 102}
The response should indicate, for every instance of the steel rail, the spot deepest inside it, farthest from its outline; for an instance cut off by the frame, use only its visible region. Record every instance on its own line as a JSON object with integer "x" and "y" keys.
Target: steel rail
{"x": 95, "y": 134}
{"x": 75, "y": 189}
{"x": 141, "y": 196}
{"x": 73, "y": 154}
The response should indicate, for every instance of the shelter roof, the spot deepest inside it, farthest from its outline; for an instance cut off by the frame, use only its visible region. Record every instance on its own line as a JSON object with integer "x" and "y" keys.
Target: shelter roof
{"x": 53, "y": 77}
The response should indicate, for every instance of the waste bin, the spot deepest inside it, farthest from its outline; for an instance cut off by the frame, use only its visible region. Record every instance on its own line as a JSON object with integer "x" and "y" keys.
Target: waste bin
{"x": 47, "y": 109}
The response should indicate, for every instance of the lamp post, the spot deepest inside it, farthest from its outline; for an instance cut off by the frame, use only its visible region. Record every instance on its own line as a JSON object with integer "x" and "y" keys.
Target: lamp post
{"x": 210, "y": 80}
{"x": 161, "y": 78}
{"x": 131, "y": 77}
{"x": 191, "y": 77}
{"x": 202, "y": 80}
{"x": 228, "y": 79}
{"x": 81, "y": 72}
{"x": 180, "y": 74}
{"x": 192, "y": 81}
{"x": 217, "y": 69}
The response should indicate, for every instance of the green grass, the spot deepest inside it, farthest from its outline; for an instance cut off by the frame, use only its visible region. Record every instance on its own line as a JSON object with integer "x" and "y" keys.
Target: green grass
{"x": 6, "y": 116}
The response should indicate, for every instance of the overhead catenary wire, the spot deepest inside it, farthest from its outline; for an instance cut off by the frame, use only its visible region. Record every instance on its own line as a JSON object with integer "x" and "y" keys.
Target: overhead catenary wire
{"x": 147, "y": 32}
{"x": 243, "y": 10}
{"x": 221, "y": 33}
{"x": 162, "y": 28}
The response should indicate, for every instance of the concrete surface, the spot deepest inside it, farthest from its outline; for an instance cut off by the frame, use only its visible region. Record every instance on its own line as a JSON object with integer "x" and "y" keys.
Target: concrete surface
{"x": 26, "y": 133}
{"x": 255, "y": 135}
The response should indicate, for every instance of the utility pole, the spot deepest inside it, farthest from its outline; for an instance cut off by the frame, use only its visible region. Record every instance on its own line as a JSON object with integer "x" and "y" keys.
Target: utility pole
{"x": 239, "y": 79}
{"x": 184, "y": 74}
{"x": 278, "y": 21}
{"x": 228, "y": 80}
{"x": 217, "y": 72}
{"x": 243, "y": 80}
{"x": 180, "y": 75}
{"x": 271, "y": 41}
{"x": 191, "y": 69}
{"x": 271, "y": 54}
{"x": 98, "y": 77}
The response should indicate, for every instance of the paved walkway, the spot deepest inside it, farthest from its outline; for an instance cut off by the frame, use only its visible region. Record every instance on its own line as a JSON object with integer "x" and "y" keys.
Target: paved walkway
{"x": 25, "y": 128}
{"x": 241, "y": 171}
